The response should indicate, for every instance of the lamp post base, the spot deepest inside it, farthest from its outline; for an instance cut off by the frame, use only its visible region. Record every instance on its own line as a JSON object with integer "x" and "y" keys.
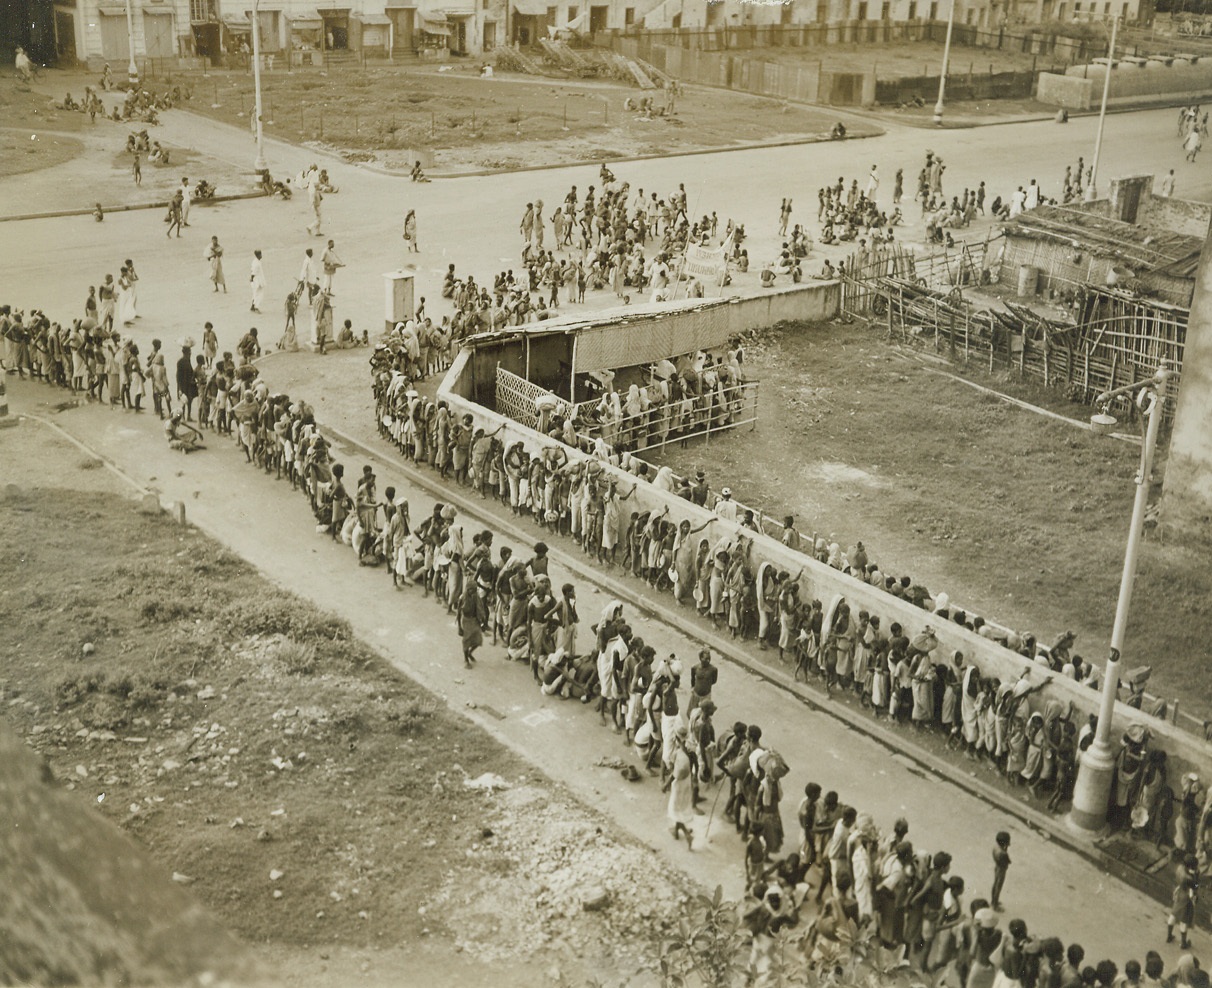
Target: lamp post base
{"x": 938, "y": 114}
{"x": 1092, "y": 793}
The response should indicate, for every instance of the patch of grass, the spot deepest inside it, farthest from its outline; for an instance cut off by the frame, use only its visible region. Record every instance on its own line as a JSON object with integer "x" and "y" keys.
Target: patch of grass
{"x": 295, "y": 658}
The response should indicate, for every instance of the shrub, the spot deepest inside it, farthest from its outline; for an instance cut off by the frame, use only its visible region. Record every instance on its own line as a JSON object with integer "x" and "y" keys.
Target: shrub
{"x": 297, "y": 659}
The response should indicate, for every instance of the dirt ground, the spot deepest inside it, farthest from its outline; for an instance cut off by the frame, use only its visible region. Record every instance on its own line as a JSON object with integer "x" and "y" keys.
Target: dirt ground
{"x": 860, "y": 441}
{"x": 90, "y": 159}
{"x": 325, "y": 808}
{"x": 504, "y": 122}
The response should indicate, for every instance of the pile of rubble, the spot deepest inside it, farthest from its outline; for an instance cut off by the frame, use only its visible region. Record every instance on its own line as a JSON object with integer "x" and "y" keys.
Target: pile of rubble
{"x": 546, "y": 874}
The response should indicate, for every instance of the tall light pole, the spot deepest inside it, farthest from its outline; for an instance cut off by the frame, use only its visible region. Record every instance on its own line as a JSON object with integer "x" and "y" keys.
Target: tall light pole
{"x": 261, "y": 168}
{"x": 1102, "y": 113}
{"x": 1097, "y": 767}
{"x": 132, "y": 70}
{"x": 942, "y": 79}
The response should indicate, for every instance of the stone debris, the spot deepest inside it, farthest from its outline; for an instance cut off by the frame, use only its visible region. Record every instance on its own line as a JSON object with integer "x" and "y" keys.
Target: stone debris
{"x": 275, "y": 874}
{"x": 553, "y": 876}
{"x": 206, "y": 693}
{"x": 183, "y": 879}
{"x": 489, "y": 781}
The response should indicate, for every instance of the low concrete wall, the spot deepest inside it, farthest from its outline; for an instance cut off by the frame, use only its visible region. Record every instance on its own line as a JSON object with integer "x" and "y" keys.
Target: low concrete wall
{"x": 1071, "y": 92}
{"x": 1130, "y": 83}
{"x": 1186, "y": 752}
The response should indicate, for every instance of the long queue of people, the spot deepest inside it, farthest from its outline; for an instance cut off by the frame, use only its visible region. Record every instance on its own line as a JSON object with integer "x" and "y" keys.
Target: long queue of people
{"x": 896, "y": 672}
{"x": 914, "y": 907}
{"x": 908, "y": 898}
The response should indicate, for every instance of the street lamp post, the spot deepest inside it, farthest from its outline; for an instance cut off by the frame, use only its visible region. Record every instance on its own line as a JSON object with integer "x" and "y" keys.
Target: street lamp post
{"x": 132, "y": 70}
{"x": 1102, "y": 113}
{"x": 260, "y": 166}
{"x": 942, "y": 79}
{"x": 1096, "y": 769}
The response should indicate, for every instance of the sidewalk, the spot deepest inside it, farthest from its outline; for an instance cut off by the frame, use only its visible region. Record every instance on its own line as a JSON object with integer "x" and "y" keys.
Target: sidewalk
{"x": 272, "y": 527}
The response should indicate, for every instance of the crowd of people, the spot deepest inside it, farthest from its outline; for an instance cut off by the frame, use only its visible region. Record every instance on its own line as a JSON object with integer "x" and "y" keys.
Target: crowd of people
{"x": 909, "y": 898}
{"x": 614, "y": 238}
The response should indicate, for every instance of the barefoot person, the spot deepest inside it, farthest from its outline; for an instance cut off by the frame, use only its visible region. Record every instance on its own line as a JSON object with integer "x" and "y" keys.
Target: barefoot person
{"x": 214, "y": 257}
{"x": 256, "y": 280}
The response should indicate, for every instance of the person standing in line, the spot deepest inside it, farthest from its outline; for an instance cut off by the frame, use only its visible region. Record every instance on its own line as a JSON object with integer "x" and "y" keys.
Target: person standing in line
{"x": 137, "y": 169}
{"x": 898, "y": 188}
{"x": 107, "y": 295}
{"x": 187, "y": 383}
{"x": 1001, "y": 865}
{"x": 873, "y": 183}
{"x": 784, "y": 217}
{"x": 1182, "y": 902}
{"x": 256, "y": 278}
{"x": 703, "y": 678}
{"x": 329, "y": 261}
{"x": 410, "y": 231}
{"x": 214, "y": 257}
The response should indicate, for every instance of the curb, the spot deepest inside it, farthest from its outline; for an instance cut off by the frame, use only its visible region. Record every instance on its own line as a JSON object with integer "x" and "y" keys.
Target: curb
{"x": 799, "y": 142}
{"x": 57, "y": 214}
{"x": 1155, "y": 886}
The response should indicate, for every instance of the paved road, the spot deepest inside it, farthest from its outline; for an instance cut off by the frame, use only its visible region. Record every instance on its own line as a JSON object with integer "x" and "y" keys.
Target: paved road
{"x": 472, "y": 222}
{"x": 1056, "y": 891}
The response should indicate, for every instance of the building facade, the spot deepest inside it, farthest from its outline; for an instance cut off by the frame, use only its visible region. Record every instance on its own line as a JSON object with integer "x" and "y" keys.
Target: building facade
{"x": 306, "y": 31}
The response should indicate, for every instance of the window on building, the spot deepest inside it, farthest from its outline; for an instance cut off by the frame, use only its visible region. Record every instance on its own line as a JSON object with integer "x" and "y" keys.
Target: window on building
{"x": 1107, "y": 7}
{"x": 628, "y": 16}
{"x": 934, "y": 10}
{"x": 572, "y": 13}
{"x": 822, "y": 12}
{"x": 886, "y": 11}
{"x": 971, "y": 16}
{"x": 912, "y": 10}
{"x": 1124, "y": 12}
{"x": 677, "y": 20}
{"x": 862, "y": 11}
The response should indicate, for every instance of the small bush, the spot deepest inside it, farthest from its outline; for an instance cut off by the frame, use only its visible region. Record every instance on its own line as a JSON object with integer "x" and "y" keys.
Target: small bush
{"x": 297, "y": 659}
{"x": 412, "y": 719}
{"x": 73, "y": 689}
{"x": 288, "y": 618}
{"x": 159, "y": 611}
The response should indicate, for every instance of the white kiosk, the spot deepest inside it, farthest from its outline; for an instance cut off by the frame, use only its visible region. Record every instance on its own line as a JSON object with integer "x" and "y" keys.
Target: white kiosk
{"x": 401, "y": 304}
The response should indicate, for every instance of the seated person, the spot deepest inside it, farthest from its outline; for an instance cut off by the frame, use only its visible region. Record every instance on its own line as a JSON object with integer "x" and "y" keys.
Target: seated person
{"x": 828, "y": 271}
{"x": 418, "y": 175}
{"x": 742, "y": 262}
{"x": 181, "y": 435}
{"x": 767, "y": 277}
{"x": 345, "y": 338}
{"x": 449, "y": 282}
{"x": 325, "y": 184}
